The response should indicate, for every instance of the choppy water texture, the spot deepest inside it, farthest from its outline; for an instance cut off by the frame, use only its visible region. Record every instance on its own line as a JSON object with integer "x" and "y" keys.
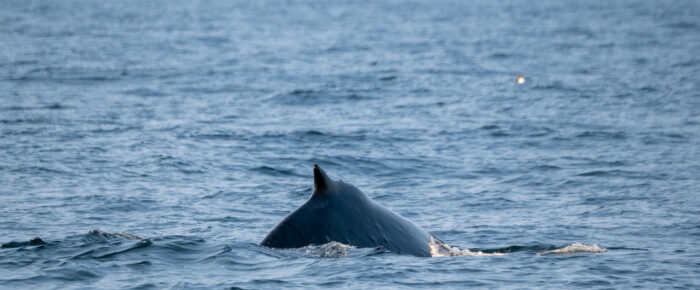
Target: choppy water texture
{"x": 155, "y": 143}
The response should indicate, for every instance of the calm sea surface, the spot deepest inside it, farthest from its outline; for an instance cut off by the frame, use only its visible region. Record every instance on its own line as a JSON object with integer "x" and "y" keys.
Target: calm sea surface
{"x": 153, "y": 144}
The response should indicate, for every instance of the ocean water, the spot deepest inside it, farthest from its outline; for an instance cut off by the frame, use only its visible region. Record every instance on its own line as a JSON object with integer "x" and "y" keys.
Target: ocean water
{"x": 153, "y": 144}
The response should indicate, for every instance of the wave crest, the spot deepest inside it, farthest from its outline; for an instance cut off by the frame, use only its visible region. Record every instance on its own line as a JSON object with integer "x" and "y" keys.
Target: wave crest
{"x": 576, "y": 248}
{"x": 439, "y": 248}
{"x": 98, "y": 235}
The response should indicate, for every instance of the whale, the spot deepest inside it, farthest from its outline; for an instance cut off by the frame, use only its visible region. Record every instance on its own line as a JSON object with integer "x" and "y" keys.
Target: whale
{"x": 340, "y": 212}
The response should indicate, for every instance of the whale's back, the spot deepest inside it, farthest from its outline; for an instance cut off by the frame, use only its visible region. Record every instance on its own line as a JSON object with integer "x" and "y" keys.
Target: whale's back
{"x": 340, "y": 212}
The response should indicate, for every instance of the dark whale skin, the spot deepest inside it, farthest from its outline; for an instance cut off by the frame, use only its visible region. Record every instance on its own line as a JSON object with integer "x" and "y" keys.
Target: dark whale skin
{"x": 338, "y": 211}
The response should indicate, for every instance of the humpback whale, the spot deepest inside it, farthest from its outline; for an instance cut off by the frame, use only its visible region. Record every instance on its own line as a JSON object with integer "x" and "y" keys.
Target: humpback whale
{"x": 338, "y": 211}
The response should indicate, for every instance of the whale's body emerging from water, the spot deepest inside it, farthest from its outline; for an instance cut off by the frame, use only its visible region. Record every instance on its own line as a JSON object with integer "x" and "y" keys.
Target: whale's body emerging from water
{"x": 340, "y": 212}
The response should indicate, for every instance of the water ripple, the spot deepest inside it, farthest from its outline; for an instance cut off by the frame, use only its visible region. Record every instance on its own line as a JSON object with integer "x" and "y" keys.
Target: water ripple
{"x": 185, "y": 131}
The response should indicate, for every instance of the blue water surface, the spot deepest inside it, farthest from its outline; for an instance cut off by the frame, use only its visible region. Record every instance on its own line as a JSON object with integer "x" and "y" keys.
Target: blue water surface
{"x": 153, "y": 144}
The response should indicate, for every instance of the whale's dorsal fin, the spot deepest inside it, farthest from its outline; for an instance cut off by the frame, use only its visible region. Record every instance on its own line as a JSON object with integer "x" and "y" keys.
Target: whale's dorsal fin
{"x": 321, "y": 180}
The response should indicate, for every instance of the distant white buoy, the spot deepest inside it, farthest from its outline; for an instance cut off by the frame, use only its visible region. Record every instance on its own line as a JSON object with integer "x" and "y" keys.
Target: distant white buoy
{"x": 520, "y": 80}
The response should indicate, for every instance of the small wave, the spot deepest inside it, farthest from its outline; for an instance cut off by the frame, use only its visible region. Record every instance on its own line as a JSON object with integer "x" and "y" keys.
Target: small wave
{"x": 603, "y": 135}
{"x": 576, "y": 248}
{"x": 179, "y": 164}
{"x": 440, "y": 249}
{"x": 683, "y": 25}
{"x": 25, "y": 121}
{"x": 329, "y": 250}
{"x": 546, "y": 167}
{"x": 115, "y": 129}
{"x": 621, "y": 173}
{"x": 213, "y": 135}
{"x": 33, "y": 242}
{"x": 145, "y": 92}
{"x": 556, "y": 86}
{"x": 315, "y": 97}
{"x": 98, "y": 235}
{"x": 690, "y": 63}
{"x": 52, "y": 106}
{"x": 309, "y": 133}
{"x": 43, "y": 170}
{"x": 516, "y": 248}
{"x": 138, "y": 245}
{"x": 93, "y": 236}
{"x": 272, "y": 171}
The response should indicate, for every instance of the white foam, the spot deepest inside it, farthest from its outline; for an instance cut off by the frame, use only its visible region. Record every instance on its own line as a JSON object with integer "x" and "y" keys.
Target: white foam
{"x": 576, "y": 248}
{"x": 440, "y": 249}
{"x": 437, "y": 249}
{"x": 329, "y": 250}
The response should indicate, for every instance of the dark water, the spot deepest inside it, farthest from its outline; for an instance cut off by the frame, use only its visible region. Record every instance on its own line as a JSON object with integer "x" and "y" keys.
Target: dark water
{"x": 155, "y": 144}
